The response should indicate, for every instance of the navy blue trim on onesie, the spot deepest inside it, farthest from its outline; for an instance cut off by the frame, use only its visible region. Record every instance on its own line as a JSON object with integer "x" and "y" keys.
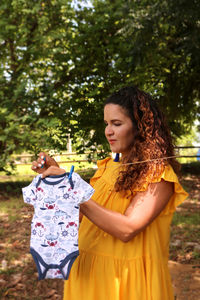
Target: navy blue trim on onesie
{"x": 39, "y": 260}
{"x": 62, "y": 176}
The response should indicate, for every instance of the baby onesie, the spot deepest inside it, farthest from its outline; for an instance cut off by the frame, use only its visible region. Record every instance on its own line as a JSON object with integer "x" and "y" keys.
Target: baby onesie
{"x": 55, "y": 223}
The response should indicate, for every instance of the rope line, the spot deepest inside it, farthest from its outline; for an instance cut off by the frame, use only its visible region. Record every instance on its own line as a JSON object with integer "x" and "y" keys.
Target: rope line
{"x": 141, "y": 162}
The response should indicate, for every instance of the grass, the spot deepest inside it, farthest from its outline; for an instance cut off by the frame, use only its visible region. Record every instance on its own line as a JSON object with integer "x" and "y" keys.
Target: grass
{"x": 186, "y": 219}
{"x": 15, "y": 219}
{"x": 185, "y": 229}
{"x": 11, "y": 206}
{"x": 7, "y": 272}
{"x": 2, "y": 232}
{"x": 11, "y": 255}
{"x": 196, "y": 255}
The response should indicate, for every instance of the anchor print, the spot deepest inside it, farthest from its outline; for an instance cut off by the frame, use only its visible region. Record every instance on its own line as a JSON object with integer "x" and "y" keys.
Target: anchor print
{"x": 40, "y": 229}
{"x": 72, "y": 228}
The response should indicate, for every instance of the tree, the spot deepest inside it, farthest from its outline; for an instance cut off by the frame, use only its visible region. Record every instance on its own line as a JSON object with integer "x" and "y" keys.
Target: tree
{"x": 164, "y": 51}
{"x": 57, "y": 66}
{"x": 30, "y": 32}
{"x": 59, "y": 62}
{"x": 149, "y": 43}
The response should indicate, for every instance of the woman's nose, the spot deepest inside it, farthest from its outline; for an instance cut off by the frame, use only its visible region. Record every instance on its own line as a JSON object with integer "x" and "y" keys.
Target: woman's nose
{"x": 109, "y": 130}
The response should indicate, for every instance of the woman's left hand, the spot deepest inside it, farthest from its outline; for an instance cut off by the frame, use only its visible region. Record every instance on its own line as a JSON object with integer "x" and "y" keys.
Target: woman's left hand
{"x": 53, "y": 170}
{"x": 46, "y": 165}
{"x": 43, "y": 162}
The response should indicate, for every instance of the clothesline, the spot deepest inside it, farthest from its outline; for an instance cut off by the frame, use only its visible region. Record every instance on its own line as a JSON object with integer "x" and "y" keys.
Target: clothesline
{"x": 145, "y": 161}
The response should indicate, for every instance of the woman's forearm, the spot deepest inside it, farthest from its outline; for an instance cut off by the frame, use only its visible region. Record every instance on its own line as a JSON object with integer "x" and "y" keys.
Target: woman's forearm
{"x": 142, "y": 210}
{"x": 109, "y": 221}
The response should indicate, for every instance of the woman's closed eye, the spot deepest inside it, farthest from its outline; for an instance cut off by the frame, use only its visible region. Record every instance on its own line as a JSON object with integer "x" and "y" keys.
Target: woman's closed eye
{"x": 117, "y": 124}
{"x": 113, "y": 123}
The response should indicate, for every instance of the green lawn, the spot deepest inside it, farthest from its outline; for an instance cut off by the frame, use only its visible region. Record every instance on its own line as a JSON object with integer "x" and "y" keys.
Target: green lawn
{"x": 18, "y": 274}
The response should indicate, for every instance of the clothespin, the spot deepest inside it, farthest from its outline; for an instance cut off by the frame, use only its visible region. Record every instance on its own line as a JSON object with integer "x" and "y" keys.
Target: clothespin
{"x": 70, "y": 177}
{"x": 71, "y": 171}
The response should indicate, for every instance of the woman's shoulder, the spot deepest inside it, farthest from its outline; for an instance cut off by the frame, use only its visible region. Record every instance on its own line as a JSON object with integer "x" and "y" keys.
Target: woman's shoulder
{"x": 168, "y": 174}
{"x": 103, "y": 162}
{"x": 155, "y": 176}
{"x": 101, "y": 167}
{"x": 179, "y": 195}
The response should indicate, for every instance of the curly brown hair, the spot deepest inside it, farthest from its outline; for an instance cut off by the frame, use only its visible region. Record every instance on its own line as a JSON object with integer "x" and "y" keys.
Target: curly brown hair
{"x": 152, "y": 141}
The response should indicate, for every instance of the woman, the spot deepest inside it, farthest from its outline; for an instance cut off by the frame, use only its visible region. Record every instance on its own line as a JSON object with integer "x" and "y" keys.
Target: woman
{"x": 124, "y": 233}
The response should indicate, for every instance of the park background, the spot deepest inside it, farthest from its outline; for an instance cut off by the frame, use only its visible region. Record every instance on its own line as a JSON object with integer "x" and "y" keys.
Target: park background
{"x": 59, "y": 61}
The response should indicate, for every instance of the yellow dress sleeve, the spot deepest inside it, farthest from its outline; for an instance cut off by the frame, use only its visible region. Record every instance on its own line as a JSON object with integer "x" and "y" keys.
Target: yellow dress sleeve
{"x": 179, "y": 193}
{"x": 101, "y": 164}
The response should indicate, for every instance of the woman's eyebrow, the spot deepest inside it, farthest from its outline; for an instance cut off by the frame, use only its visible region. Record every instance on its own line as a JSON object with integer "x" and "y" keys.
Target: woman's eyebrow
{"x": 114, "y": 120}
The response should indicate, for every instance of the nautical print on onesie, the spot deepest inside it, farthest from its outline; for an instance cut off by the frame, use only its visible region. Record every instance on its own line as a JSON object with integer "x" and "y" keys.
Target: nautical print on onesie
{"x": 55, "y": 223}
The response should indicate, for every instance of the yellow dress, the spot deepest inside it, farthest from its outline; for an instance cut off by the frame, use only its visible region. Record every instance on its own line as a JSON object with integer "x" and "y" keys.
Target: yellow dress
{"x": 107, "y": 268}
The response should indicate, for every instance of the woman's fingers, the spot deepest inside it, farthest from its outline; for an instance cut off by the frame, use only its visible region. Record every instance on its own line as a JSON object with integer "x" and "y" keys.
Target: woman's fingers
{"x": 43, "y": 155}
{"x": 38, "y": 167}
{"x": 45, "y": 159}
{"x": 42, "y": 158}
{"x": 44, "y": 162}
{"x": 41, "y": 162}
{"x": 53, "y": 170}
{"x": 34, "y": 165}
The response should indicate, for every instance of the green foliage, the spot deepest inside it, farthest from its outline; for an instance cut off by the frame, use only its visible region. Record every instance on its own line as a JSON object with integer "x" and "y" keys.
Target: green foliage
{"x": 30, "y": 33}
{"x": 165, "y": 47}
{"x": 58, "y": 63}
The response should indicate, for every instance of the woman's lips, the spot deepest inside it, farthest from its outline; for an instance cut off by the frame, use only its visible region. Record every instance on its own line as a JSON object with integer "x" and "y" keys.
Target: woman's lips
{"x": 111, "y": 141}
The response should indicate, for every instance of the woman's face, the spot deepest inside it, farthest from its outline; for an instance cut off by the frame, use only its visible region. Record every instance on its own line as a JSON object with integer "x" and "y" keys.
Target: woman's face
{"x": 119, "y": 129}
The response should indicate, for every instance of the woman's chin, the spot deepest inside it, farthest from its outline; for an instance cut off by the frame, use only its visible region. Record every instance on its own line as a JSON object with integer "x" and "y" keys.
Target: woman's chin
{"x": 115, "y": 150}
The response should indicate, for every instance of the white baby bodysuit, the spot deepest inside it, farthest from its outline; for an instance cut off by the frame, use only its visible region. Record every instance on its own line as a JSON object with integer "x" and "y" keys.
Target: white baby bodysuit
{"x": 55, "y": 223}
